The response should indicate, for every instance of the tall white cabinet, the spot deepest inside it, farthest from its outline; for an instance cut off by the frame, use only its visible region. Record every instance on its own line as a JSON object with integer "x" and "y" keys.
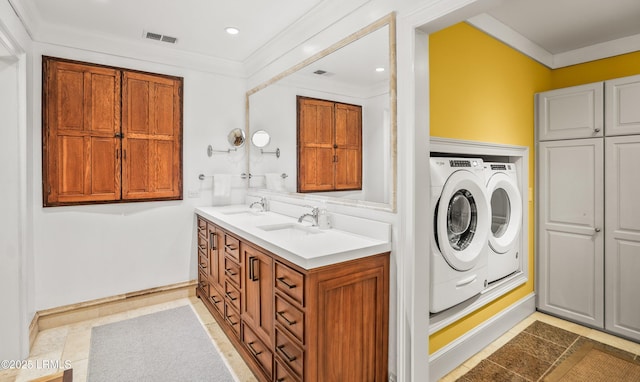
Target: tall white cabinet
{"x": 588, "y": 235}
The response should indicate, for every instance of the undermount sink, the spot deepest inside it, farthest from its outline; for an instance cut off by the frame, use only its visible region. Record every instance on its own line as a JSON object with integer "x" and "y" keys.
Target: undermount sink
{"x": 291, "y": 229}
{"x": 241, "y": 212}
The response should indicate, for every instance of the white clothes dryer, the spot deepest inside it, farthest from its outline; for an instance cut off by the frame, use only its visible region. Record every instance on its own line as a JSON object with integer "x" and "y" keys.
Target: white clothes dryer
{"x": 460, "y": 210}
{"x": 506, "y": 219}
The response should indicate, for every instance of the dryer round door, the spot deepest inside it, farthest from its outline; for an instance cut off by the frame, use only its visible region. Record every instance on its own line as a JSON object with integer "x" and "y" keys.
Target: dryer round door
{"x": 506, "y": 212}
{"x": 462, "y": 220}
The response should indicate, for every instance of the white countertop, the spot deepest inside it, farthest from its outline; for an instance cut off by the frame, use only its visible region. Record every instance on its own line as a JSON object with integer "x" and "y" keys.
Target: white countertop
{"x": 306, "y": 246}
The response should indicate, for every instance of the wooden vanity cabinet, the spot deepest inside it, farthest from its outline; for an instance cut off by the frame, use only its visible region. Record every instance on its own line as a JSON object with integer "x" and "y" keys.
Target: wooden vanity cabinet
{"x": 293, "y": 324}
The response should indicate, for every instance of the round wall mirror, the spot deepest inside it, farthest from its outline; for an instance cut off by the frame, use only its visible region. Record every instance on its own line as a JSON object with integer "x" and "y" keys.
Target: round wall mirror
{"x": 236, "y": 137}
{"x": 260, "y": 138}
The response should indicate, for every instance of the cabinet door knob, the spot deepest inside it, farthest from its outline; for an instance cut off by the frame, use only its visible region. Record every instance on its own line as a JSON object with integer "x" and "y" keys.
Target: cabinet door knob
{"x": 597, "y": 229}
{"x": 596, "y": 130}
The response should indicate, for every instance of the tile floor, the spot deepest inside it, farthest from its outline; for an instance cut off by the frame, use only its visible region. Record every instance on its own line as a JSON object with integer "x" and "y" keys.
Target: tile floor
{"x": 71, "y": 342}
{"x": 496, "y": 360}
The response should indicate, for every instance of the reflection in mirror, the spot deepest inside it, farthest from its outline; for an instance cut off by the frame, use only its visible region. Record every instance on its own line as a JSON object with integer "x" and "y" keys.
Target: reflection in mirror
{"x": 236, "y": 137}
{"x": 260, "y": 138}
{"x": 345, "y": 73}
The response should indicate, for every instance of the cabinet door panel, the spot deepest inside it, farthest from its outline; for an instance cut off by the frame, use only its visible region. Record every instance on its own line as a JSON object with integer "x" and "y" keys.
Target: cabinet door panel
{"x": 571, "y": 216}
{"x": 151, "y": 124}
{"x": 622, "y": 251}
{"x": 575, "y": 112}
{"x": 622, "y": 111}
{"x": 257, "y": 304}
{"x": 82, "y": 115}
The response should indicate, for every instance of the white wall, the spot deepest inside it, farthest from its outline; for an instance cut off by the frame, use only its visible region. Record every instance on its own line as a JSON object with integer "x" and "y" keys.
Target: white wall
{"x": 89, "y": 252}
{"x": 16, "y": 262}
{"x": 10, "y": 242}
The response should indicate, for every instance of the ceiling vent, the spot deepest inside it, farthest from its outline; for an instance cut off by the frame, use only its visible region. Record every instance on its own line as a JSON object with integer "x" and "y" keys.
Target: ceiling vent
{"x": 160, "y": 37}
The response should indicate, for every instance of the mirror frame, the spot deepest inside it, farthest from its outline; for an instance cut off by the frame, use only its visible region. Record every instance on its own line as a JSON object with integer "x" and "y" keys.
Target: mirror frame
{"x": 234, "y": 134}
{"x": 390, "y": 21}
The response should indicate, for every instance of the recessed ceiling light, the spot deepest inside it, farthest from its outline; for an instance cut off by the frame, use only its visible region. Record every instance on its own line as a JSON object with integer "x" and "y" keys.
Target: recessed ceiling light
{"x": 232, "y": 30}
{"x": 379, "y": 69}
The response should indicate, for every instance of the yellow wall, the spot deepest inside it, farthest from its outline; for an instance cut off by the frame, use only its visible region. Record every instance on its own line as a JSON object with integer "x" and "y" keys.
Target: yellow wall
{"x": 483, "y": 90}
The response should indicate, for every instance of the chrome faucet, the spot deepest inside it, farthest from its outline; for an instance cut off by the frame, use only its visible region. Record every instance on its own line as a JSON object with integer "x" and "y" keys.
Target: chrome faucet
{"x": 262, "y": 203}
{"x": 313, "y": 215}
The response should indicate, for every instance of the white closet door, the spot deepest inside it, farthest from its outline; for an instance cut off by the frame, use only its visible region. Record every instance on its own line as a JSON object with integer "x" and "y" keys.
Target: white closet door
{"x": 622, "y": 110}
{"x": 571, "y": 263}
{"x": 622, "y": 238}
{"x": 575, "y": 112}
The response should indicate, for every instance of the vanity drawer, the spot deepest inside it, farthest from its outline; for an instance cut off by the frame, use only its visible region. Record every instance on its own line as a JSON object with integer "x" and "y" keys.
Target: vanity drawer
{"x": 203, "y": 262}
{"x": 290, "y": 317}
{"x": 232, "y": 271}
{"x": 232, "y": 247}
{"x": 258, "y": 350}
{"x": 283, "y": 375}
{"x": 202, "y": 243}
{"x": 203, "y": 283}
{"x": 216, "y": 298}
{"x": 290, "y": 353}
{"x": 232, "y": 295}
{"x": 202, "y": 227}
{"x": 232, "y": 317}
{"x": 290, "y": 282}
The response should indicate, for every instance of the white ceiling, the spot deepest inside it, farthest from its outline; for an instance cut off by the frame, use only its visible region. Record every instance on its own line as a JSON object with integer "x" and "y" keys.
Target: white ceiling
{"x": 553, "y": 27}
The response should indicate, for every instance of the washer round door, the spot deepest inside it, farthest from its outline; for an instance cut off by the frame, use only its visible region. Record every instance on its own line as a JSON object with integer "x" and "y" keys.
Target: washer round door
{"x": 506, "y": 212}
{"x": 462, "y": 220}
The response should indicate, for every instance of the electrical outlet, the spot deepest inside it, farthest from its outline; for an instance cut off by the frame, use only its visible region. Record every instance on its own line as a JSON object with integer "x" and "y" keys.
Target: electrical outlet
{"x": 194, "y": 194}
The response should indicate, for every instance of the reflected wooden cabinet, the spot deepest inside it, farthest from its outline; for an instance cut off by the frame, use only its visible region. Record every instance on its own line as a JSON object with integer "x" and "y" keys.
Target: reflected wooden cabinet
{"x": 329, "y": 145}
{"x": 324, "y": 324}
{"x": 109, "y": 134}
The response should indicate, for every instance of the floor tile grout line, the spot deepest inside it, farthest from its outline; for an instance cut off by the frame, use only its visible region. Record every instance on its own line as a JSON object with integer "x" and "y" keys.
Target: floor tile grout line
{"x": 509, "y": 370}
{"x": 559, "y": 358}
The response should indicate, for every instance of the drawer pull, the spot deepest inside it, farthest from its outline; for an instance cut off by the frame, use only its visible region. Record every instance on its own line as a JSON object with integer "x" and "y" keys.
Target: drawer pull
{"x": 212, "y": 241}
{"x": 230, "y": 247}
{"x": 254, "y": 351}
{"x": 280, "y": 380}
{"x": 230, "y": 298}
{"x": 213, "y": 298}
{"x": 202, "y": 285}
{"x": 231, "y": 322}
{"x": 202, "y": 247}
{"x": 230, "y": 273}
{"x": 203, "y": 265}
{"x": 252, "y": 270}
{"x": 282, "y": 280}
{"x": 281, "y": 314}
{"x": 287, "y": 356}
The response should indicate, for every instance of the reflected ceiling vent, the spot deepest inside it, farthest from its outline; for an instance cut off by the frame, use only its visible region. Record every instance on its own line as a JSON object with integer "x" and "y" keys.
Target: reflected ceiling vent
{"x": 321, "y": 72}
{"x": 160, "y": 37}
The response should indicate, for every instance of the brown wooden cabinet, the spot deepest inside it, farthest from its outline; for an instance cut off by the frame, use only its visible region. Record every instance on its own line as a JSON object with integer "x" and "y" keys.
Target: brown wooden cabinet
{"x": 323, "y": 324}
{"x": 109, "y": 134}
{"x": 329, "y": 145}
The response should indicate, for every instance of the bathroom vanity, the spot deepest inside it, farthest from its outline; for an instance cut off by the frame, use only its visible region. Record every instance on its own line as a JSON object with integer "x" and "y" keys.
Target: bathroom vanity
{"x": 297, "y": 302}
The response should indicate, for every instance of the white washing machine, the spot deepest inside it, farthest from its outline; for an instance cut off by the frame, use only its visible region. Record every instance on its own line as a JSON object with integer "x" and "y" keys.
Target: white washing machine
{"x": 506, "y": 219}
{"x": 461, "y": 222}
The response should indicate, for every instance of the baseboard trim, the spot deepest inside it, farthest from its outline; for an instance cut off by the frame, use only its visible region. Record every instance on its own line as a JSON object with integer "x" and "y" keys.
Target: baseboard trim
{"x": 457, "y": 352}
{"x": 87, "y": 310}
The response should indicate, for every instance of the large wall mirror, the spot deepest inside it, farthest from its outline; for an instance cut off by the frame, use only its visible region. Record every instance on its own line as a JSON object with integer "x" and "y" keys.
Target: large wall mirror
{"x": 358, "y": 70}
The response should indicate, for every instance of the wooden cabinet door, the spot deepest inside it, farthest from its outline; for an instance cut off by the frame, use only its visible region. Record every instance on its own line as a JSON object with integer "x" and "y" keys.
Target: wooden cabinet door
{"x": 622, "y": 236}
{"x": 574, "y": 112}
{"x": 151, "y": 124}
{"x": 315, "y": 145}
{"x": 622, "y": 106}
{"x": 81, "y": 105}
{"x": 257, "y": 304}
{"x": 348, "y": 145}
{"x": 571, "y": 216}
{"x": 216, "y": 257}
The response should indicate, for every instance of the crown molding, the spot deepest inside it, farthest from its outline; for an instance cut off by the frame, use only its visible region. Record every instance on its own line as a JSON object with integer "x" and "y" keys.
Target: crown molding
{"x": 502, "y": 32}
